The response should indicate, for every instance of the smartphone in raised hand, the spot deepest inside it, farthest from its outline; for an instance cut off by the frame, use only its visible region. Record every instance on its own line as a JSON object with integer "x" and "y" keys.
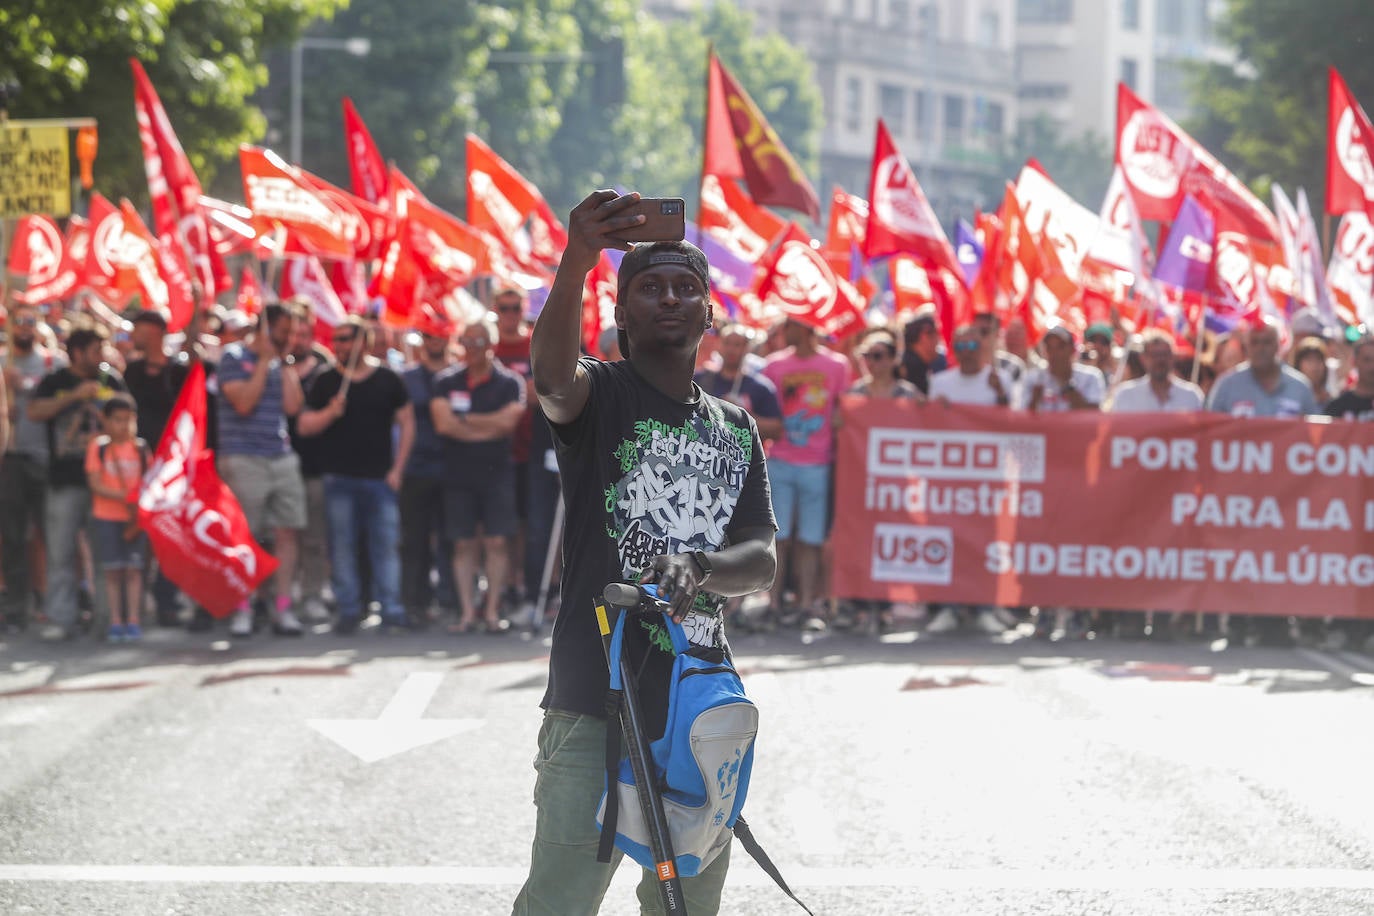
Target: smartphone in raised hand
{"x": 665, "y": 220}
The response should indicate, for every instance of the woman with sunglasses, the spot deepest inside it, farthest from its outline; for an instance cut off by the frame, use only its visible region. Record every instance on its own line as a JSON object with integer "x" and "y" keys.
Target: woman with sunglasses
{"x": 881, "y": 368}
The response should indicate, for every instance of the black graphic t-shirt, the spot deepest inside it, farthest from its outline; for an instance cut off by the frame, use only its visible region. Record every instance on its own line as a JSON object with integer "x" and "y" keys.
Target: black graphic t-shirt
{"x": 1350, "y": 406}
{"x": 75, "y": 423}
{"x": 645, "y": 475}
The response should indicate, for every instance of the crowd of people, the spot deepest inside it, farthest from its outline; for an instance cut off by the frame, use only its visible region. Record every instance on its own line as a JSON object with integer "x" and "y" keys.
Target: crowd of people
{"x": 405, "y": 478}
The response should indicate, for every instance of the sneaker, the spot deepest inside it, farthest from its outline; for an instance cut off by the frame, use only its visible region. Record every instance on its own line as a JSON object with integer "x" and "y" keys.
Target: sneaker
{"x": 242, "y": 624}
{"x": 115, "y": 633}
{"x": 813, "y": 625}
{"x": 524, "y": 617}
{"x": 54, "y": 633}
{"x": 286, "y": 624}
{"x": 1008, "y": 620}
{"x": 944, "y": 622}
{"x": 986, "y": 622}
{"x": 315, "y": 610}
{"x": 133, "y": 633}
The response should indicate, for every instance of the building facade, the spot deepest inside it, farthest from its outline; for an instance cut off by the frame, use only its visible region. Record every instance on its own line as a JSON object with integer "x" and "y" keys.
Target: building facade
{"x": 1070, "y": 54}
{"x": 940, "y": 73}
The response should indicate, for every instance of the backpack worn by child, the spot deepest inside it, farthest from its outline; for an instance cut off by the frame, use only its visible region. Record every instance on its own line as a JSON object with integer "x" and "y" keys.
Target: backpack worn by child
{"x": 702, "y": 762}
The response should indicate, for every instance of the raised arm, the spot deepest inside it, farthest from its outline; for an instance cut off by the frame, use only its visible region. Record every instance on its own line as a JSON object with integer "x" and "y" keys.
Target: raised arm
{"x": 561, "y": 386}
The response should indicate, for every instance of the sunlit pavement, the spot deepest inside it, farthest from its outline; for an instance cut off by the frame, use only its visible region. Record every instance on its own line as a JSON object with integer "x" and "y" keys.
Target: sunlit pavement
{"x": 963, "y": 775}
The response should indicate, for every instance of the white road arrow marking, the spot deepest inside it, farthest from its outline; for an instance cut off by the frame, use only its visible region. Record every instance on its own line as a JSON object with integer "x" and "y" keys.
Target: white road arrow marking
{"x": 399, "y": 728}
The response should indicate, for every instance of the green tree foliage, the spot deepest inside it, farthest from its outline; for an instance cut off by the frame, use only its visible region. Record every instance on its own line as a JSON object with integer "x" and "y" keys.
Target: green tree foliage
{"x": 1265, "y": 115}
{"x": 70, "y": 59}
{"x": 530, "y": 77}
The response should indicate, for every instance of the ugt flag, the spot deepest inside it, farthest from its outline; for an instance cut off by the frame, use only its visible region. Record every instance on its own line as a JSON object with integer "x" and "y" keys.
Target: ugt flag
{"x": 195, "y": 525}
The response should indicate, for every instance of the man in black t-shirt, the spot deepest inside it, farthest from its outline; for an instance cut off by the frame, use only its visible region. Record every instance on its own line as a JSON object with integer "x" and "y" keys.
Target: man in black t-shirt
{"x": 1357, "y": 401}
{"x": 476, "y": 407}
{"x": 664, "y": 484}
{"x": 352, "y": 408}
{"x": 70, "y": 400}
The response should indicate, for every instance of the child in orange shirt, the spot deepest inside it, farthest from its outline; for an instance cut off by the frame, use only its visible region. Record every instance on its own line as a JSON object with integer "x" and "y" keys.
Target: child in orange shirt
{"x": 115, "y": 463}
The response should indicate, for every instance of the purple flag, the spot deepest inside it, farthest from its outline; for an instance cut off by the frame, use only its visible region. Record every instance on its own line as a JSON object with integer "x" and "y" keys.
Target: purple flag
{"x": 1185, "y": 258}
{"x": 967, "y": 250}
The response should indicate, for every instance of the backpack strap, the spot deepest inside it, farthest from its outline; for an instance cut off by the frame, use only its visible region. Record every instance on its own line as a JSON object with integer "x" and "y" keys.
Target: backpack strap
{"x": 751, "y": 846}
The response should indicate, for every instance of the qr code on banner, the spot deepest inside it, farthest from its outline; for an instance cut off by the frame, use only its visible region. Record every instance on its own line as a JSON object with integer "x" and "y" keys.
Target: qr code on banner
{"x": 913, "y": 554}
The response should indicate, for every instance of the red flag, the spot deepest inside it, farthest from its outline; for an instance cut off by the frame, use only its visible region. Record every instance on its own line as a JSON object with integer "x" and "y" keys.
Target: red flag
{"x": 108, "y": 273}
{"x": 1161, "y": 164}
{"x": 501, "y": 200}
{"x": 38, "y": 254}
{"x": 598, "y": 302}
{"x": 350, "y": 285}
{"x": 367, "y": 226}
{"x": 195, "y": 525}
{"x": 78, "y": 246}
{"x": 232, "y": 230}
{"x": 173, "y": 186}
{"x": 798, "y": 282}
{"x": 366, "y": 168}
{"x": 159, "y": 270}
{"x": 1352, "y": 266}
{"x": 735, "y": 221}
{"x": 304, "y": 277}
{"x": 249, "y": 299}
{"x": 899, "y": 215}
{"x": 278, "y": 194}
{"x": 911, "y": 287}
{"x": 847, "y": 230}
{"x": 740, "y": 143}
{"x": 1349, "y": 152}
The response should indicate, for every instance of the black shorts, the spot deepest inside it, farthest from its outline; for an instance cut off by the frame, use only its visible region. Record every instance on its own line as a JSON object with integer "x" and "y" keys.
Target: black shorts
{"x": 488, "y": 500}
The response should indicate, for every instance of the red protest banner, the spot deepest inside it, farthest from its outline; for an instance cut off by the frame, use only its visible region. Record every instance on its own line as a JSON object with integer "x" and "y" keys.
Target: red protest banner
{"x": 1184, "y": 512}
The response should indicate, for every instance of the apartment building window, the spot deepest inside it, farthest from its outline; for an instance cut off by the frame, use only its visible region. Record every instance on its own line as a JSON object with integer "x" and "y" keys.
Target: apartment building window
{"x": 995, "y": 119}
{"x": 898, "y": 14}
{"x": 922, "y": 114}
{"x": 929, "y": 19}
{"x": 853, "y": 104}
{"x": 892, "y": 108}
{"x": 1169, "y": 18}
{"x": 1044, "y": 12}
{"x": 989, "y": 29}
{"x": 1044, "y": 92}
{"x": 1130, "y": 72}
{"x": 1130, "y": 15}
{"x": 954, "y": 120}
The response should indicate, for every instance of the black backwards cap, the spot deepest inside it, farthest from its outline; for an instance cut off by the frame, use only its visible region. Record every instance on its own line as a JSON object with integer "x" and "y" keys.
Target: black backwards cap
{"x": 653, "y": 254}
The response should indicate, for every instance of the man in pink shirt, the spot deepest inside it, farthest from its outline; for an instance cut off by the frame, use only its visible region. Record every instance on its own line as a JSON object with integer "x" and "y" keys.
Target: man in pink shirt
{"x": 809, "y": 379}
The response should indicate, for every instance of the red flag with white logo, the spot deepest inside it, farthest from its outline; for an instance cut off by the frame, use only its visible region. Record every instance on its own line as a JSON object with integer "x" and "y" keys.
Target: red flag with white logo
{"x": 38, "y": 254}
{"x": 1160, "y": 164}
{"x": 799, "y": 283}
{"x": 366, "y": 169}
{"x": 368, "y": 227}
{"x": 159, "y": 269}
{"x": 740, "y": 143}
{"x": 847, "y": 229}
{"x": 502, "y": 201}
{"x": 730, "y": 217}
{"x": 1351, "y": 271}
{"x": 195, "y": 526}
{"x": 108, "y": 273}
{"x": 900, "y": 218}
{"x": 1349, "y": 151}
{"x": 305, "y": 278}
{"x": 249, "y": 298}
{"x": 278, "y": 194}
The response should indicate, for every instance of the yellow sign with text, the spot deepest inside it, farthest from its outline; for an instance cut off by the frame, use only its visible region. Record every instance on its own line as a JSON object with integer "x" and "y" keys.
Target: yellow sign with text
{"x": 35, "y": 172}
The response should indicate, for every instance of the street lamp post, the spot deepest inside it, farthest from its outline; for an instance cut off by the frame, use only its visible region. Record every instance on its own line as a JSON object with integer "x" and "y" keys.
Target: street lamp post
{"x": 358, "y": 47}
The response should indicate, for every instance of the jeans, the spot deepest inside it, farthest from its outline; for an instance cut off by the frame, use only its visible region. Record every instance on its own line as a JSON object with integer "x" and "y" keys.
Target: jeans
{"x": 314, "y": 559}
{"x": 68, "y": 514}
{"x": 363, "y": 510}
{"x": 424, "y": 546}
{"x": 565, "y": 879}
{"x": 23, "y": 483}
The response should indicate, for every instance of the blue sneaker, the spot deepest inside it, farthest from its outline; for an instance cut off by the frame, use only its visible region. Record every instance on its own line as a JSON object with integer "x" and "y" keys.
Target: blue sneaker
{"x": 133, "y": 633}
{"x": 116, "y": 633}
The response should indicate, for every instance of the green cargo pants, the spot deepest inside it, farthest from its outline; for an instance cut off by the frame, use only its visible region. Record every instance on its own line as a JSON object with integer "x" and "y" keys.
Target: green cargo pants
{"x": 565, "y": 879}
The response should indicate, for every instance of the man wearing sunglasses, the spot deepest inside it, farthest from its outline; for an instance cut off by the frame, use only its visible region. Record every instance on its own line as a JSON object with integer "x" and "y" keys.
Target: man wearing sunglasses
{"x": 972, "y": 379}
{"x": 23, "y": 473}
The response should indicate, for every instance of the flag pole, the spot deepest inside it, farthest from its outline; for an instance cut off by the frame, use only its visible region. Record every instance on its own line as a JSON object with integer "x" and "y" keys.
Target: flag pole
{"x": 1197, "y": 340}
{"x": 1326, "y": 237}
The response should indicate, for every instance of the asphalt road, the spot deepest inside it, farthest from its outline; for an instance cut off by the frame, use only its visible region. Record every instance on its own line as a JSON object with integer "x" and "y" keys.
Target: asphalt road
{"x": 392, "y": 774}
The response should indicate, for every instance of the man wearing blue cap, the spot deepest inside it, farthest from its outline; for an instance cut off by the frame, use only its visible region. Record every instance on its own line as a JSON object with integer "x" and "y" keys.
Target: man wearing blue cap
{"x": 663, "y": 483}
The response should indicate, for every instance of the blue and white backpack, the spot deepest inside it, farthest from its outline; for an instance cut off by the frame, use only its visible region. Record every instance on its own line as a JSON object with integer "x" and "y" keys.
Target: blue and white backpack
{"x": 702, "y": 762}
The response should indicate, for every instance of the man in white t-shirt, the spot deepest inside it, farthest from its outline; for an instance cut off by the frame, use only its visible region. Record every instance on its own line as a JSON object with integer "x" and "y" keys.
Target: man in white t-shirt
{"x": 1158, "y": 390}
{"x": 971, "y": 380}
{"x": 1064, "y": 383}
